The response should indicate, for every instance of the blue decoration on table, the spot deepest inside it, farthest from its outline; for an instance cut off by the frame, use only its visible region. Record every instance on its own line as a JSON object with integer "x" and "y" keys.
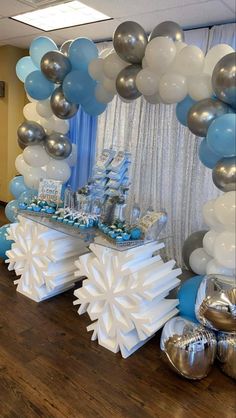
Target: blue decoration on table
{"x": 187, "y": 295}
{"x": 119, "y": 239}
{"x": 207, "y": 156}
{"x": 5, "y": 244}
{"x": 50, "y": 210}
{"x": 135, "y": 233}
{"x": 126, "y": 236}
{"x": 36, "y": 208}
{"x": 182, "y": 109}
{"x": 221, "y": 135}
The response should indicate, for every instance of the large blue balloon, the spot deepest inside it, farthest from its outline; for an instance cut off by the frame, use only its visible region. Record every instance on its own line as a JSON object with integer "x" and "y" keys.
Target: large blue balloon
{"x": 39, "y": 47}
{"x": 187, "y": 297}
{"x": 5, "y": 244}
{"x": 208, "y": 157}
{"x": 11, "y": 211}
{"x": 93, "y": 107}
{"x": 24, "y": 67}
{"x": 182, "y": 109}
{"x": 77, "y": 86}
{"x": 82, "y": 51}
{"x": 17, "y": 186}
{"x": 37, "y": 86}
{"x": 221, "y": 135}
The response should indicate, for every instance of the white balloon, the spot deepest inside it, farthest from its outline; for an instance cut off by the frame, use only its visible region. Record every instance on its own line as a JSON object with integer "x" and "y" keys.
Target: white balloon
{"x": 214, "y": 55}
{"x": 224, "y": 249}
{"x": 43, "y": 108}
{"x": 58, "y": 170}
{"x": 215, "y": 268}
{"x": 199, "y": 86}
{"x": 112, "y": 65}
{"x": 36, "y": 156}
{"x": 72, "y": 159}
{"x": 160, "y": 53}
{"x": 102, "y": 95}
{"x": 32, "y": 177}
{"x": 21, "y": 165}
{"x": 198, "y": 261}
{"x": 208, "y": 242}
{"x": 109, "y": 85}
{"x": 153, "y": 99}
{"x": 31, "y": 98}
{"x": 147, "y": 82}
{"x": 172, "y": 88}
{"x": 60, "y": 125}
{"x": 30, "y": 112}
{"x": 225, "y": 208}
{"x": 210, "y": 218}
{"x": 95, "y": 69}
{"x": 189, "y": 61}
{"x": 179, "y": 45}
{"x": 144, "y": 62}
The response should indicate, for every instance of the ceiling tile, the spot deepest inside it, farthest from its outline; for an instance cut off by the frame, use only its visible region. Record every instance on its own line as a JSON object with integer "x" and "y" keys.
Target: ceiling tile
{"x": 10, "y": 28}
{"x": 231, "y": 4}
{"x": 13, "y": 7}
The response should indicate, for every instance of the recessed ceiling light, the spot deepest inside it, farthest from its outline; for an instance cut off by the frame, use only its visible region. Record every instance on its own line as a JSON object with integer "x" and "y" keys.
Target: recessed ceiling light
{"x": 61, "y": 16}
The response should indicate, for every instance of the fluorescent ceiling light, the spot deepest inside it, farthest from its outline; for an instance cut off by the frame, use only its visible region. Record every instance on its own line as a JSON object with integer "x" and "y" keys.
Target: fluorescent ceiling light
{"x": 61, "y": 16}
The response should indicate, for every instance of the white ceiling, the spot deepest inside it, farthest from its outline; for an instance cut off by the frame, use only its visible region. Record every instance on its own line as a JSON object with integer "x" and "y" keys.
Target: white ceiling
{"x": 188, "y": 13}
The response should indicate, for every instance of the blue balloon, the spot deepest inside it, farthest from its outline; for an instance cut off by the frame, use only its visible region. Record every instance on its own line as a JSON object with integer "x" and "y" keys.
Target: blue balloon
{"x": 11, "y": 211}
{"x": 24, "y": 67}
{"x": 77, "y": 86}
{"x": 187, "y": 295}
{"x": 39, "y": 47}
{"x": 208, "y": 157}
{"x": 17, "y": 186}
{"x": 37, "y": 86}
{"x": 221, "y": 135}
{"x": 93, "y": 107}
{"x": 82, "y": 51}
{"x": 5, "y": 244}
{"x": 182, "y": 109}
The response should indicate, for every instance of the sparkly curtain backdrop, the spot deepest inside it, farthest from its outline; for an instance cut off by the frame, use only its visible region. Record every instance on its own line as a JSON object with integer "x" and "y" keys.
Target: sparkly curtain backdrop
{"x": 166, "y": 171}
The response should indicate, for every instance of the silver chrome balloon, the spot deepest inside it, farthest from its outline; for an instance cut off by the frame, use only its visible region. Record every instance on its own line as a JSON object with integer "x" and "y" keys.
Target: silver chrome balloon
{"x": 168, "y": 29}
{"x": 60, "y": 106}
{"x": 65, "y": 47}
{"x": 126, "y": 82}
{"x": 226, "y": 353}
{"x": 130, "y": 41}
{"x": 188, "y": 348}
{"x": 224, "y": 174}
{"x": 21, "y": 144}
{"x": 216, "y": 302}
{"x": 55, "y": 66}
{"x": 31, "y": 133}
{"x": 202, "y": 114}
{"x": 194, "y": 241}
{"x": 224, "y": 79}
{"x": 58, "y": 146}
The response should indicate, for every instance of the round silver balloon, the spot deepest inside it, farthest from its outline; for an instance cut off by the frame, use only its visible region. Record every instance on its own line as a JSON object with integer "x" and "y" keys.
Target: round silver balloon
{"x": 130, "y": 41}
{"x": 168, "y": 29}
{"x": 31, "y": 133}
{"x": 224, "y": 174}
{"x": 193, "y": 242}
{"x": 21, "y": 144}
{"x": 202, "y": 114}
{"x": 188, "y": 348}
{"x": 60, "y": 106}
{"x": 58, "y": 146}
{"x": 55, "y": 66}
{"x": 126, "y": 82}
{"x": 216, "y": 302}
{"x": 65, "y": 47}
{"x": 224, "y": 79}
{"x": 226, "y": 353}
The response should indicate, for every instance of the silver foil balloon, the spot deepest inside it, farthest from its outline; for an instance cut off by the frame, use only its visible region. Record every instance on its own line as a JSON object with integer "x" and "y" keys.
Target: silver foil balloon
{"x": 168, "y": 29}
{"x": 65, "y": 47}
{"x": 194, "y": 241}
{"x": 60, "y": 106}
{"x": 216, "y": 302}
{"x": 202, "y": 114}
{"x": 30, "y": 133}
{"x": 224, "y": 79}
{"x": 21, "y": 144}
{"x": 55, "y": 66}
{"x": 226, "y": 353}
{"x": 188, "y": 348}
{"x": 58, "y": 146}
{"x": 126, "y": 82}
{"x": 130, "y": 41}
{"x": 224, "y": 174}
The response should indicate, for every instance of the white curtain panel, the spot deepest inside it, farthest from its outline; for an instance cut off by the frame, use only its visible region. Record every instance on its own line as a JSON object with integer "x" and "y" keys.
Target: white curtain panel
{"x": 166, "y": 172}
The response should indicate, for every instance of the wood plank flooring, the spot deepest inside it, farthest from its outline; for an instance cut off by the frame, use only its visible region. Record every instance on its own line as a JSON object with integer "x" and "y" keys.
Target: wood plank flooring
{"x": 49, "y": 368}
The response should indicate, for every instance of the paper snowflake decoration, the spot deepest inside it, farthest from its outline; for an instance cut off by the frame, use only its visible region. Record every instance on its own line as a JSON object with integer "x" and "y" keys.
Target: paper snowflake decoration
{"x": 124, "y": 295}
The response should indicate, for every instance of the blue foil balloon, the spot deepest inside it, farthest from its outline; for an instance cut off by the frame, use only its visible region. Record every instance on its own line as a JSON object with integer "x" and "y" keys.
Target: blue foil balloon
{"x": 77, "y": 86}
{"x": 11, "y": 211}
{"x": 187, "y": 295}
{"x": 221, "y": 135}
{"x": 39, "y": 47}
{"x": 37, "y": 86}
{"x": 82, "y": 51}
{"x": 94, "y": 108}
{"x": 182, "y": 109}
{"x": 17, "y": 186}
{"x": 207, "y": 156}
{"x": 5, "y": 244}
{"x": 24, "y": 67}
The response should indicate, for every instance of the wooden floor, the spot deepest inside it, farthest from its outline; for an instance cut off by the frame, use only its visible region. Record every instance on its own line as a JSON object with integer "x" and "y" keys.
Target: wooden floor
{"x": 50, "y": 368}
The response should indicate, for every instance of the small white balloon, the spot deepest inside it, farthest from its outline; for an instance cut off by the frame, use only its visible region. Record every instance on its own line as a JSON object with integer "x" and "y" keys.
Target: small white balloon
{"x": 112, "y": 65}
{"x": 160, "y": 53}
{"x": 199, "y": 86}
{"x": 153, "y": 99}
{"x": 215, "y": 268}
{"x": 225, "y": 209}
{"x": 179, "y": 45}
{"x": 32, "y": 177}
{"x": 225, "y": 248}
{"x": 31, "y": 98}
{"x": 189, "y": 61}
{"x": 147, "y": 82}
{"x": 43, "y": 108}
{"x": 72, "y": 159}
{"x": 198, "y": 261}
{"x": 20, "y": 164}
{"x": 58, "y": 170}
{"x": 109, "y": 85}
{"x": 209, "y": 241}
{"x": 35, "y": 156}
{"x": 102, "y": 95}
{"x": 95, "y": 69}
{"x": 210, "y": 217}
{"x": 30, "y": 112}
{"x": 172, "y": 88}
{"x": 214, "y": 55}
{"x": 144, "y": 62}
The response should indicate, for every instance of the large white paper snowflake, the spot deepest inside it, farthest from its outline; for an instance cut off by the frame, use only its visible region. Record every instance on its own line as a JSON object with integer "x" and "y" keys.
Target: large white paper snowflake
{"x": 124, "y": 294}
{"x": 43, "y": 258}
